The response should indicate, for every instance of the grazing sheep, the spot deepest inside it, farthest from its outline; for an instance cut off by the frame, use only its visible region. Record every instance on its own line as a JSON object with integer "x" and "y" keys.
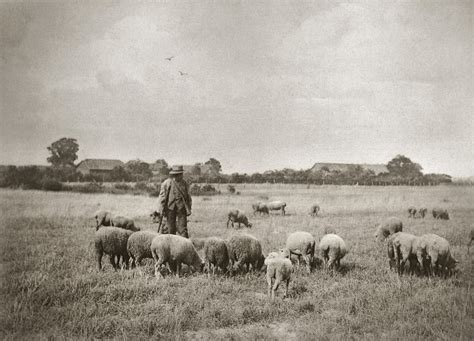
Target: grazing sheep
{"x": 279, "y": 269}
{"x": 422, "y": 212}
{"x": 113, "y": 242}
{"x": 139, "y": 246}
{"x": 174, "y": 250}
{"x": 434, "y": 254}
{"x": 124, "y": 222}
{"x": 302, "y": 244}
{"x": 102, "y": 218}
{"x": 439, "y": 213}
{"x": 277, "y": 206}
{"x": 390, "y": 226}
{"x": 245, "y": 250}
{"x": 333, "y": 249}
{"x": 236, "y": 216}
{"x": 260, "y": 207}
{"x": 411, "y": 212}
{"x": 314, "y": 210}
{"x": 400, "y": 249}
{"x": 471, "y": 238}
{"x": 215, "y": 255}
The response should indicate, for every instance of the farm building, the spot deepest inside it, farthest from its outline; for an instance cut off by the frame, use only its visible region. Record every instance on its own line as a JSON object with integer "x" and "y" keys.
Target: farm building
{"x": 98, "y": 167}
{"x": 343, "y": 167}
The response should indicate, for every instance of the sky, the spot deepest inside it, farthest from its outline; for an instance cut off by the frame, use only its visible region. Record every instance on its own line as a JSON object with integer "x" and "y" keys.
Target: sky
{"x": 264, "y": 84}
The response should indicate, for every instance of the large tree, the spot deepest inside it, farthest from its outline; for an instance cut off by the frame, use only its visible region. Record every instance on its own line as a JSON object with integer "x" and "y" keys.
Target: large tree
{"x": 162, "y": 166}
{"x": 63, "y": 152}
{"x": 403, "y": 167}
{"x": 139, "y": 170}
{"x": 215, "y": 165}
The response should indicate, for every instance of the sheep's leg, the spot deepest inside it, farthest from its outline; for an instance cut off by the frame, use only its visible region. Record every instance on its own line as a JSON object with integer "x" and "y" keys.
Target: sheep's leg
{"x": 112, "y": 261}
{"x": 287, "y": 285}
{"x": 158, "y": 263}
{"x": 308, "y": 266}
{"x": 99, "y": 260}
{"x": 275, "y": 287}
{"x": 178, "y": 269}
{"x": 269, "y": 284}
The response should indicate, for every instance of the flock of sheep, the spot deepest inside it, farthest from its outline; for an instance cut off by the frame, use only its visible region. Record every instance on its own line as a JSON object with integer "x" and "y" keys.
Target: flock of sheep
{"x": 119, "y": 238}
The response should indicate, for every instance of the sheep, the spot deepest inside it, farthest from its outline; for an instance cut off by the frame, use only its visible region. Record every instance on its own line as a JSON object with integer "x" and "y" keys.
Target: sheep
{"x": 302, "y": 244}
{"x": 236, "y": 216}
{"x": 138, "y": 246}
{"x": 440, "y": 213}
{"x": 174, "y": 250}
{"x": 434, "y": 254}
{"x": 113, "y": 242}
{"x": 198, "y": 243}
{"x": 333, "y": 249}
{"x": 124, "y": 222}
{"x": 279, "y": 269}
{"x": 411, "y": 212}
{"x": 260, "y": 207}
{"x": 400, "y": 249}
{"x": 102, "y": 218}
{"x": 276, "y": 206}
{"x": 215, "y": 254}
{"x": 314, "y": 210}
{"x": 245, "y": 250}
{"x": 390, "y": 226}
{"x": 471, "y": 238}
{"x": 422, "y": 212}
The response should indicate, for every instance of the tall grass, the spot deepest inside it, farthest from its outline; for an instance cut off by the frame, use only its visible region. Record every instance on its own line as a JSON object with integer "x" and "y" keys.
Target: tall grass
{"x": 50, "y": 285}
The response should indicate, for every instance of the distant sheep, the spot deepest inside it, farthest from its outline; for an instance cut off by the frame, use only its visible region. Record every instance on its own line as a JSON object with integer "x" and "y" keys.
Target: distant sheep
{"x": 215, "y": 254}
{"x": 279, "y": 269}
{"x": 124, "y": 222}
{"x": 433, "y": 252}
{"x": 440, "y": 213}
{"x": 102, "y": 218}
{"x": 411, "y": 212}
{"x": 245, "y": 251}
{"x": 277, "y": 206}
{"x": 112, "y": 241}
{"x": 390, "y": 226}
{"x": 333, "y": 249}
{"x": 260, "y": 207}
{"x": 302, "y": 244}
{"x": 139, "y": 246}
{"x": 174, "y": 250}
{"x": 314, "y": 210}
{"x": 422, "y": 212}
{"x": 400, "y": 249}
{"x": 236, "y": 216}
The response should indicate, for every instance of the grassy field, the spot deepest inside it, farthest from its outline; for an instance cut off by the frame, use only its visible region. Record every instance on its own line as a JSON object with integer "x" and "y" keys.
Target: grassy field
{"x": 50, "y": 285}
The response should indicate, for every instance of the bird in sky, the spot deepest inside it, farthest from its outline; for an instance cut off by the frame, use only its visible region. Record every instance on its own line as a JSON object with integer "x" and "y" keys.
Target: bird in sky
{"x": 169, "y": 58}
{"x": 182, "y": 73}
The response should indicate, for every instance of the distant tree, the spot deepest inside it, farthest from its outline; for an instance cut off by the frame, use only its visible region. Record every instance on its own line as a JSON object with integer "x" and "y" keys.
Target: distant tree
{"x": 215, "y": 165}
{"x": 63, "y": 152}
{"x": 196, "y": 170}
{"x": 120, "y": 174}
{"x": 162, "y": 166}
{"x": 403, "y": 167}
{"x": 139, "y": 170}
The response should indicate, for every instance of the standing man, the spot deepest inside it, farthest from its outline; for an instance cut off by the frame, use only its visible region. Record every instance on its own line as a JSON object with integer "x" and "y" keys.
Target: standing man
{"x": 175, "y": 202}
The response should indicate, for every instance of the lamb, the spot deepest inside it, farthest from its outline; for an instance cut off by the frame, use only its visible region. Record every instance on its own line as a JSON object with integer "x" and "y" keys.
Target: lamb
{"x": 174, "y": 250}
{"x": 433, "y": 252}
{"x": 236, "y": 216}
{"x": 276, "y": 206}
{"x": 314, "y": 210}
{"x": 245, "y": 250}
{"x": 411, "y": 212}
{"x": 124, "y": 222}
{"x": 102, "y": 218}
{"x": 279, "y": 269}
{"x": 390, "y": 226}
{"x": 215, "y": 254}
{"x": 400, "y": 249}
{"x": 302, "y": 244}
{"x": 260, "y": 207}
{"x": 139, "y": 246}
{"x": 471, "y": 238}
{"x": 113, "y": 242}
{"x": 333, "y": 249}
{"x": 422, "y": 212}
{"x": 439, "y": 213}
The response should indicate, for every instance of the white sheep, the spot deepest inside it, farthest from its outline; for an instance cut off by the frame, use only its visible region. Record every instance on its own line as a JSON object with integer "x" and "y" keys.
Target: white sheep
{"x": 245, "y": 250}
{"x": 139, "y": 246}
{"x": 302, "y": 244}
{"x": 400, "y": 249}
{"x": 124, "y": 222}
{"x": 102, "y": 218}
{"x": 333, "y": 249}
{"x": 314, "y": 210}
{"x": 113, "y": 242}
{"x": 388, "y": 227}
{"x": 174, "y": 250}
{"x": 279, "y": 269}
{"x": 237, "y": 216}
{"x": 215, "y": 254}
{"x": 434, "y": 255}
{"x": 277, "y": 205}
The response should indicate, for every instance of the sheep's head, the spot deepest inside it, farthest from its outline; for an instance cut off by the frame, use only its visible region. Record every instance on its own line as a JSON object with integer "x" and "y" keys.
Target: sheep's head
{"x": 249, "y": 225}
{"x": 155, "y": 216}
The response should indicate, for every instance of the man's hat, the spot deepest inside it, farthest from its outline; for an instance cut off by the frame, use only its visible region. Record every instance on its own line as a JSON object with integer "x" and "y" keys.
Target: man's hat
{"x": 177, "y": 170}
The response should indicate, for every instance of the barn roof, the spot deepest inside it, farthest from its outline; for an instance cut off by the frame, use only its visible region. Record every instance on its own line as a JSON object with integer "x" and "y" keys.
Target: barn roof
{"x": 376, "y": 168}
{"x": 101, "y": 164}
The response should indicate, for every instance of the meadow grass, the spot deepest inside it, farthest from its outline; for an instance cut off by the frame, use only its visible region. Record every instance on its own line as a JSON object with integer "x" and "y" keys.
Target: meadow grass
{"x": 50, "y": 286}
